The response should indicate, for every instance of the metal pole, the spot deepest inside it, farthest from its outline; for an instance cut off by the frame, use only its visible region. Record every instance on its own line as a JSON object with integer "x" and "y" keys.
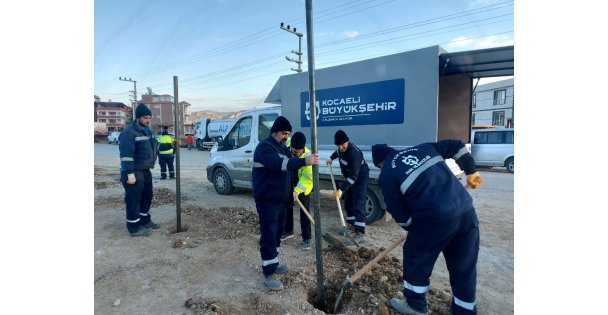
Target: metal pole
{"x": 134, "y": 97}
{"x": 177, "y": 178}
{"x": 315, "y": 168}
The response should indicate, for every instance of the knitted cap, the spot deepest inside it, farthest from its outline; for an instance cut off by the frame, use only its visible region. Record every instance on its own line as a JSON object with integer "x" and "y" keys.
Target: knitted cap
{"x": 142, "y": 110}
{"x": 340, "y": 137}
{"x": 280, "y": 124}
{"x": 298, "y": 140}
{"x": 380, "y": 152}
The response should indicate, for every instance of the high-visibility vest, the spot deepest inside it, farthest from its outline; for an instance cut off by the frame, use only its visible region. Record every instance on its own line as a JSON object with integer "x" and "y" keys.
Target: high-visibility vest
{"x": 304, "y": 173}
{"x": 164, "y": 142}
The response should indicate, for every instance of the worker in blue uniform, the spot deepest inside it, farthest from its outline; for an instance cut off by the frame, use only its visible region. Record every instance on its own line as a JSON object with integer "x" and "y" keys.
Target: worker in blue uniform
{"x": 273, "y": 164}
{"x": 426, "y": 199}
{"x": 137, "y": 149}
{"x": 355, "y": 170}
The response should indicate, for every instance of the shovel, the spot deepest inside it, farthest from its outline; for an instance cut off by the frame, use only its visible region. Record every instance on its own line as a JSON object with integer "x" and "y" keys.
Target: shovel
{"x": 349, "y": 282}
{"x": 328, "y": 238}
{"x": 344, "y": 229}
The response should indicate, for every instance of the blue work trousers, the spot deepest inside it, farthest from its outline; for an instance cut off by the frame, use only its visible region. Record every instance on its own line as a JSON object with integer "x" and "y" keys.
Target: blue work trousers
{"x": 354, "y": 202}
{"x": 138, "y": 198}
{"x": 458, "y": 239}
{"x": 272, "y": 226}
{"x": 166, "y": 160}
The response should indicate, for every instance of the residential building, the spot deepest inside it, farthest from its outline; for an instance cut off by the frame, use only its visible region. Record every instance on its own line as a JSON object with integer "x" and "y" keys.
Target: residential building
{"x": 162, "y": 112}
{"x": 492, "y": 104}
{"x": 116, "y": 115}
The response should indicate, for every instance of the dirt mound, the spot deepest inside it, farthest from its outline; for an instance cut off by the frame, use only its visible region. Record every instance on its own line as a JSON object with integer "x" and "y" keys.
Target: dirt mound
{"x": 248, "y": 304}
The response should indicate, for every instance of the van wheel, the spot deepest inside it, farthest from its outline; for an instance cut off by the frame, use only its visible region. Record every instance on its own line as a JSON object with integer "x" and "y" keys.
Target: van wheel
{"x": 509, "y": 164}
{"x": 199, "y": 145}
{"x": 372, "y": 210}
{"x": 222, "y": 182}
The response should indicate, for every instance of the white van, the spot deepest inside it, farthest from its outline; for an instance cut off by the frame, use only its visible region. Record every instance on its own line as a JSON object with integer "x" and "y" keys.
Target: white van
{"x": 493, "y": 147}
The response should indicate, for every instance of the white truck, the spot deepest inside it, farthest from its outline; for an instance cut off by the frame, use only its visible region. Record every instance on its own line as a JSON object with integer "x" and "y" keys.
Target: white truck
{"x": 401, "y": 100}
{"x": 209, "y": 132}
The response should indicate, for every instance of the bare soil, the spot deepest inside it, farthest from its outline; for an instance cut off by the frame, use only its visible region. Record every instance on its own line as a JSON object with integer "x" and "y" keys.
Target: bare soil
{"x": 213, "y": 265}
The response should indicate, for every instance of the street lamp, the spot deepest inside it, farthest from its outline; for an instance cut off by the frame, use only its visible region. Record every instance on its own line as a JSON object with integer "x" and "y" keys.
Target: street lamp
{"x": 134, "y": 93}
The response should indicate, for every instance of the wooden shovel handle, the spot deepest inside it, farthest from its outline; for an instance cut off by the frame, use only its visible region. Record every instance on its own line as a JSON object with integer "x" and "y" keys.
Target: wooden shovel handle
{"x": 331, "y": 172}
{"x": 370, "y": 264}
{"x": 305, "y": 211}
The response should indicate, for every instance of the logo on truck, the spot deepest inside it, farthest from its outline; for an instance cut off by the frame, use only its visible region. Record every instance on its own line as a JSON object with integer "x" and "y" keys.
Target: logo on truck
{"x": 362, "y": 104}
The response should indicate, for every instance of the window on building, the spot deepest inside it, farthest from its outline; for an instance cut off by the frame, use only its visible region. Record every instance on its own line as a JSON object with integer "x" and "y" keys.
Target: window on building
{"x": 498, "y": 118}
{"x": 500, "y": 97}
{"x": 474, "y": 100}
{"x": 473, "y": 119}
{"x": 102, "y": 113}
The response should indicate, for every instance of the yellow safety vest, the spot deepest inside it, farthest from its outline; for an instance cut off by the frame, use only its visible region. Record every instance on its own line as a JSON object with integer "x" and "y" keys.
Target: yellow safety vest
{"x": 304, "y": 173}
{"x": 165, "y": 139}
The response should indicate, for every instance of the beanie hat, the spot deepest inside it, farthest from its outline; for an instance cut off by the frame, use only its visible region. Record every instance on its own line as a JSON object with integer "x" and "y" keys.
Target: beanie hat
{"x": 340, "y": 137}
{"x": 380, "y": 152}
{"x": 298, "y": 140}
{"x": 142, "y": 110}
{"x": 280, "y": 124}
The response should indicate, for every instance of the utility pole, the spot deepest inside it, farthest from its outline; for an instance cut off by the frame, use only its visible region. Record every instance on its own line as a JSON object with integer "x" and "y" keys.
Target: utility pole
{"x": 134, "y": 93}
{"x": 299, "y": 52}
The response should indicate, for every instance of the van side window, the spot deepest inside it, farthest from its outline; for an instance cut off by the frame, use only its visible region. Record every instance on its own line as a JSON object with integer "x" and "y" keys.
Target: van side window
{"x": 265, "y": 124}
{"x": 510, "y": 137}
{"x": 239, "y": 135}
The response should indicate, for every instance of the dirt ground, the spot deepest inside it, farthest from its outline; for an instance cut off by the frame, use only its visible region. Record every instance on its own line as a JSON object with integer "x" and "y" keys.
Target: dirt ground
{"x": 213, "y": 265}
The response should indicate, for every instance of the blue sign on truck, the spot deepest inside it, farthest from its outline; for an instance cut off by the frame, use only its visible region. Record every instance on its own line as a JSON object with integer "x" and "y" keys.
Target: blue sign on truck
{"x": 361, "y": 104}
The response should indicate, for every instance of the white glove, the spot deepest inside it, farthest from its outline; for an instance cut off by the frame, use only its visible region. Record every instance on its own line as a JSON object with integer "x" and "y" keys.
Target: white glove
{"x": 328, "y": 162}
{"x": 131, "y": 179}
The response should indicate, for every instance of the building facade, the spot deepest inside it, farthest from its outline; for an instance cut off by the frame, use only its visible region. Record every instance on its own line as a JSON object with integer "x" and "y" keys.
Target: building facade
{"x": 161, "y": 107}
{"x": 115, "y": 115}
{"x": 493, "y": 104}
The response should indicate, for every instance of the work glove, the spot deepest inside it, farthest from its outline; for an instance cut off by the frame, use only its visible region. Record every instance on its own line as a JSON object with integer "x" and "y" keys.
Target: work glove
{"x": 312, "y": 159}
{"x": 328, "y": 162}
{"x": 474, "y": 180}
{"x": 406, "y": 225}
{"x": 131, "y": 179}
{"x": 337, "y": 194}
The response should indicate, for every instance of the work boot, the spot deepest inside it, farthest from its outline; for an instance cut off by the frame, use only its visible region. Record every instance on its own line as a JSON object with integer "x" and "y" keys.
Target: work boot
{"x": 281, "y": 268}
{"x": 272, "y": 284}
{"x": 151, "y": 225}
{"x": 286, "y": 236}
{"x": 359, "y": 238}
{"x": 141, "y": 232}
{"x": 403, "y": 308}
{"x": 306, "y": 245}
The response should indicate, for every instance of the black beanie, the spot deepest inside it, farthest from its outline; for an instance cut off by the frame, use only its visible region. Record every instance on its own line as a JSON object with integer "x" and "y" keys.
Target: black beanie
{"x": 340, "y": 137}
{"x": 142, "y": 110}
{"x": 298, "y": 140}
{"x": 280, "y": 124}
{"x": 380, "y": 152}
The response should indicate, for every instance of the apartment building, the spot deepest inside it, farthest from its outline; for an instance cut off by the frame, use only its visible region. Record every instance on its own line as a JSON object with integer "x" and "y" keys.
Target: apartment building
{"x": 116, "y": 115}
{"x": 162, "y": 112}
{"x": 492, "y": 104}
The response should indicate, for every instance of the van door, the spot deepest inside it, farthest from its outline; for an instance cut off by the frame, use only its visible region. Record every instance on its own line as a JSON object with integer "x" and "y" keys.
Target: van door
{"x": 238, "y": 150}
{"x": 491, "y": 148}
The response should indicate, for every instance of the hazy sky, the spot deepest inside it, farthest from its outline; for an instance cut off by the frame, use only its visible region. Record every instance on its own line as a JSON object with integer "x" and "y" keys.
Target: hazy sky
{"x": 228, "y": 54}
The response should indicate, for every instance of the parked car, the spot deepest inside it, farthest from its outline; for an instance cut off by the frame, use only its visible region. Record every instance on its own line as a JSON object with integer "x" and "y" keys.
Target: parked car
{"x": 113, "y": 137}
{"x": 494, "y": 147}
